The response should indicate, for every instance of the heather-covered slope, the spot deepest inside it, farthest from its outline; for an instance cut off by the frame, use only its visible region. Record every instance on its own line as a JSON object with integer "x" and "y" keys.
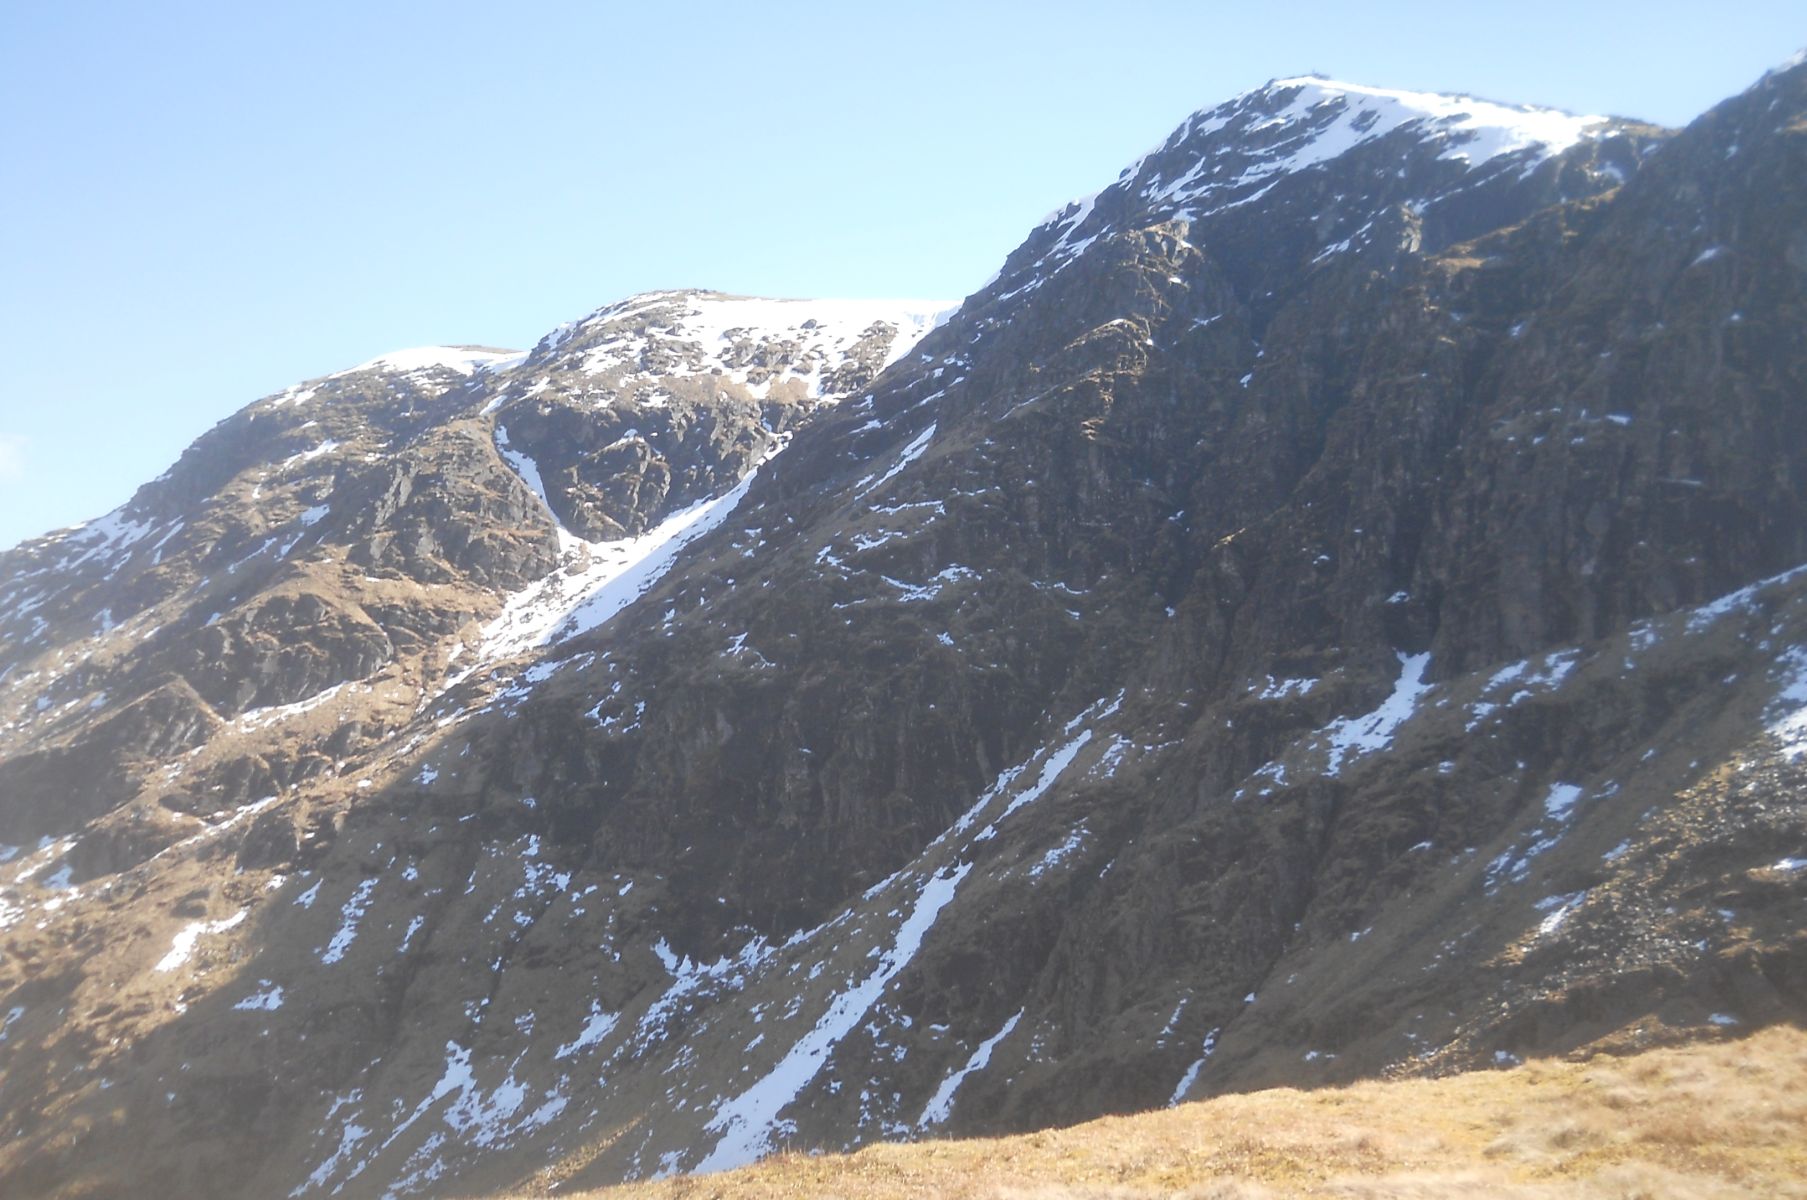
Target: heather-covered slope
{"x": 1325, "y": 608}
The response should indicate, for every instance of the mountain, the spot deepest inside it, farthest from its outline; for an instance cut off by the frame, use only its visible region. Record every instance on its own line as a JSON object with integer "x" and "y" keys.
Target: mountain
{"x": 1330, "y": 607}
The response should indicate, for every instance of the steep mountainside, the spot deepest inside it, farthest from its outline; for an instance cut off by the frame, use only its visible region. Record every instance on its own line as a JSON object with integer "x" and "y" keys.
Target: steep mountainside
{"x": 1331, "y": 606}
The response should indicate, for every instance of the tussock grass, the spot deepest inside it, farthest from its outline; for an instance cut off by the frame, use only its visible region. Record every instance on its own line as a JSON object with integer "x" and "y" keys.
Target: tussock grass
{"x": 1719, "y": 1119}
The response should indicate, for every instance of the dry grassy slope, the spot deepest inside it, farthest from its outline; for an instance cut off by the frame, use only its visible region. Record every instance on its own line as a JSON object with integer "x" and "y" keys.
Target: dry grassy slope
{"x": 1715, "y": 1120}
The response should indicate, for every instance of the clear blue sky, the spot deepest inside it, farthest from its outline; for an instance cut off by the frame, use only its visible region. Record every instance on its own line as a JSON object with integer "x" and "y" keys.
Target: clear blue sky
{"x": 205, "y": 202}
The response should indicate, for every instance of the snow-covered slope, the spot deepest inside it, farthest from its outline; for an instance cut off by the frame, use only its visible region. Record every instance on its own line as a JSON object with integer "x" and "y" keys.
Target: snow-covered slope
{"x": 1265, "y": 153}
{"x": 1293, "y": 125}
{"x": 757, "y": 343}
{"x": 460, "y": 360}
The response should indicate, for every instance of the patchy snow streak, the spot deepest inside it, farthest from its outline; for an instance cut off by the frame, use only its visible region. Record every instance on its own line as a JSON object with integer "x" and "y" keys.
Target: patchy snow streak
{"x": 745, "y": 1123}
{"x": 1191, "y": 1075}
{"x": 350, "y": 914}
{"x": 910, "y": 454}
{"x": 941, "y": 1104}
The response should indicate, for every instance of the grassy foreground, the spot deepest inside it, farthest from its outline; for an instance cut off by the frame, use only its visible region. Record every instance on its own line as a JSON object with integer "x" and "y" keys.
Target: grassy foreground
{"x": 1719, "y": 1119}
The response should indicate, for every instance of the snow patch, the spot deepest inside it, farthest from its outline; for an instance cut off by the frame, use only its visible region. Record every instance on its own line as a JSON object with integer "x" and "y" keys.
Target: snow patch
{"x": 183, "y": 945}
{"x": 325, "y": 447}
{"x": 1373, "y": 732}
{"x": 596, "y": 1027}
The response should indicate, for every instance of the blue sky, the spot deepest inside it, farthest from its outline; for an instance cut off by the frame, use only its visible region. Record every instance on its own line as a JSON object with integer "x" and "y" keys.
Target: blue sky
{"x": 207, "y": 202}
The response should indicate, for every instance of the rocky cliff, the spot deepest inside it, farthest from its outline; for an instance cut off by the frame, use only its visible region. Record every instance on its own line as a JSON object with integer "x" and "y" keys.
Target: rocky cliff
{"x": 1329, "y": 607}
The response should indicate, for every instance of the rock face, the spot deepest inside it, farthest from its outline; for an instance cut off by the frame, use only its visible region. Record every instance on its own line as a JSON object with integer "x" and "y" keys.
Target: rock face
{"x": 1329, "y": 607}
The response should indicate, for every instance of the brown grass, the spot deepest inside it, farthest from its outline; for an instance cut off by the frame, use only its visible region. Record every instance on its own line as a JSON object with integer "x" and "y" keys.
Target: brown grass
{"x": 1721, "y": 1119}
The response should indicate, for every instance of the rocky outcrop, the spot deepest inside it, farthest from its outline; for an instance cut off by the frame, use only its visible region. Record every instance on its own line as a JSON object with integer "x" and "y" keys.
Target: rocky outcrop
{"x": 448, "y": 509}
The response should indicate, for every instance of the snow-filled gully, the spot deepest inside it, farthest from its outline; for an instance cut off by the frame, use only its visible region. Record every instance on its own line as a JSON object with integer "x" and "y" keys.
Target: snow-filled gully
{"x": 595, "y": 580}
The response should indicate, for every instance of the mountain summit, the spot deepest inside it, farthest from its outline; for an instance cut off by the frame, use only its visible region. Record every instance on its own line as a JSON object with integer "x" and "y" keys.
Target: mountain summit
{"x": 1332, "y": 606}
